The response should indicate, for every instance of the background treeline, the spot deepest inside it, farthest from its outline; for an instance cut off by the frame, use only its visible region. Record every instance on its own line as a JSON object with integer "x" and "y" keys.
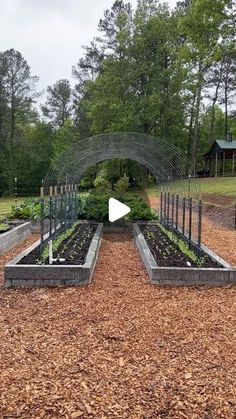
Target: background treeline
{"x": 171, "y": 74}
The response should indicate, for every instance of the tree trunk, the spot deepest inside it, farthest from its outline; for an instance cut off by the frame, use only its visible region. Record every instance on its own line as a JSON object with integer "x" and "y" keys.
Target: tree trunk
{"x": 196, "y": 122}
{"x": 212, "y": 124}
{"x": 226, "y": 98}
{"x": 191, "y": 125}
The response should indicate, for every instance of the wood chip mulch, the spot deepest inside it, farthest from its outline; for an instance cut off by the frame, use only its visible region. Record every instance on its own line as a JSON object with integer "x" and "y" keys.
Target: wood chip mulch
{"x": 119, "y": 348}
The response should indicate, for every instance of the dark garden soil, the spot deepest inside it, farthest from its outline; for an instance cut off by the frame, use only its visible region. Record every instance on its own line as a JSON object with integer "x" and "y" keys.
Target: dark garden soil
{"x": 167, "y": 253}
{"x": 73, "y": 249}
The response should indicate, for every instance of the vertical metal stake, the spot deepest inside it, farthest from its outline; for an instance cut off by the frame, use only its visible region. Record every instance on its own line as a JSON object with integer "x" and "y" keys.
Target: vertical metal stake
{"x": 199, "y": 223}
{"x": 41, "y": 219}
{"x": 165, "y": 206}
{"x": 161, "y": 207}
{"x": 55, "y": 210}
{"x": 184, "y": 205}
{"x": 65, "y": 206}
{"x": 173, "y": 209}
{"x": 177, "y": 212}
{"x": 190, "y": 220}
{"x": 168, "y": 208}
{"x": 50, "y": 212}
{"x": 61, "y": 206}
{"x": 76, "y": 214}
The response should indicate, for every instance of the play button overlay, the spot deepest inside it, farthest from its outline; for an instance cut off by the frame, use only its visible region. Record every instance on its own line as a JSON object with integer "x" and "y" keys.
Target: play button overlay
{"x": 117, "y": 210}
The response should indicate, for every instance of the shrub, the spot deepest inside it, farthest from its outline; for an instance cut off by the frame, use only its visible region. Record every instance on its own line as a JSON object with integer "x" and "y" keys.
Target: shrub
{"x": 4, "y": 227}
{"x": 95, "y": 207}
{"x": 101, "y": 184}
{"x": 122, "y": 184}
{"x": 29, "y": 209}
{"x": 86, "y": 184}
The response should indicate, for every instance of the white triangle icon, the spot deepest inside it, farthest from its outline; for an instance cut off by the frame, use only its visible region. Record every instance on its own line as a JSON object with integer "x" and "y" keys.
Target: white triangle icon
{"x": 117, "y": 210}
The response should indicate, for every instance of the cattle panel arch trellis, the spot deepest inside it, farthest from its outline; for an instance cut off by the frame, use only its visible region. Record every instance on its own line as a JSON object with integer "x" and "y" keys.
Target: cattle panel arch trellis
{"x": 166, "y": 162}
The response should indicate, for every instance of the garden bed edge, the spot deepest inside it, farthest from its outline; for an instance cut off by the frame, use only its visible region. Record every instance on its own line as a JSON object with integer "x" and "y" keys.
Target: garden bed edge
{"x": 181, "y": 276}
{"x": 14, "y": 236}
{"x": 53, "y": 275}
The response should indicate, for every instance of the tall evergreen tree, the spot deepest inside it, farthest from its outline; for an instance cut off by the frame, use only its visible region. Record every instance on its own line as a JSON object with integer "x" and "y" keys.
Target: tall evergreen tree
{"x": 58, "y": 106}
{"x": 18, "y": 91}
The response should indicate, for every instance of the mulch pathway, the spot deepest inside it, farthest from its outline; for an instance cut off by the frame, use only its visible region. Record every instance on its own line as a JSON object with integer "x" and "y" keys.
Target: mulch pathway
{"x": 119, "y": 348}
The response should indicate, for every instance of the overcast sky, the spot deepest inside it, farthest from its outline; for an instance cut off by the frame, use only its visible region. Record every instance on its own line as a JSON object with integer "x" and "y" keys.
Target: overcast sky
{"x": 50, "y": 33}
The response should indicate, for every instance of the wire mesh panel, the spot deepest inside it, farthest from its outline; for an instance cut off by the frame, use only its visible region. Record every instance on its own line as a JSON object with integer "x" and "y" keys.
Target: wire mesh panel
{"x": 169, "y": 165}
{"x": 183, "y": 215}
{"x": 165, "y": 161}
{"x": 58, "y": 210}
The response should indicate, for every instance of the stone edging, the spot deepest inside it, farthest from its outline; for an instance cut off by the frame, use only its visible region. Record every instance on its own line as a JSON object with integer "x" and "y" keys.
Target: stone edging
{"x": 14, "y": 236}
{"x": 53, "y": 275}
{"x": 183, "y": 276}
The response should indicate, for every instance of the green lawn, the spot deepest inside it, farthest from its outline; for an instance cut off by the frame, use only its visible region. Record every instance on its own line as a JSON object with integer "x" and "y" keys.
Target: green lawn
{"x": 6, "y": 204}
{"x": 219, "y": 186}
{"x": 151, "y": 190}
{"x": 223, "y": 186}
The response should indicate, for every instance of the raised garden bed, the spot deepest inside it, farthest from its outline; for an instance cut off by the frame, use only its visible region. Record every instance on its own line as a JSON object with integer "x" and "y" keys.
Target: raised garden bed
{"x": 169, "y": 261}
{"x": 16, "y": 234}
{"x": 80, "y": 250}
{"x": 6, "y": 225}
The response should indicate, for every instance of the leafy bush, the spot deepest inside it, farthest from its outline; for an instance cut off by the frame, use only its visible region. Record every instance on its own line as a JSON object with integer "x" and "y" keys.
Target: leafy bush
{"x": 85, "y": 184}
{"x": 29, "y": 209}
{"x": 95, "y": 207}
{"x": 91, "y": 206}
{"x": 101, "y": 184}
{"x": 4, "y": 227}
{"x": 122, "y": 184}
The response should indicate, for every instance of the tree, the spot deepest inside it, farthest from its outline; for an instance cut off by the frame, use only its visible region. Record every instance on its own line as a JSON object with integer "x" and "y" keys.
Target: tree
{"x": 141, "y": 91}
{"x": 58, "y": 107}
{"x": 202, "y": 27}
{"x": 17, "y": 97}
{"x": 115, "y": 31}
{"x": 3, "y": 107}
{"x": 159, "y": 77}
{"x": 34, "y": 157}
{"x": 116, "y": 28}
{"x": 19, "y": 87}
{"x": 221, "y": 80}
{"x": 205, "y": 127}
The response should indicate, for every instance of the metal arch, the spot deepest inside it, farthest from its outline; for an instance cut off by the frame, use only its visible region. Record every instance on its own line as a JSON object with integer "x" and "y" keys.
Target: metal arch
{"x": 165, "y": 161}
{"x": 80, "y": 171}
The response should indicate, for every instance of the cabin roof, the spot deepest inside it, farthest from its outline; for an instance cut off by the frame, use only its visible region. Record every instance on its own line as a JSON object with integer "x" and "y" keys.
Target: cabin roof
{"x": 221, "y": 145}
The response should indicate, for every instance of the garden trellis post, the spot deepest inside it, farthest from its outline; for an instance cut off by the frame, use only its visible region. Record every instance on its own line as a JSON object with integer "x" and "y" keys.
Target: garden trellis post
{"x": 41, "y": 218}
{"x": 50, "y": 210}
{"x": 199, "y": 223}
{"x": 190, "y": 220}
{"x": 161, "y": 208}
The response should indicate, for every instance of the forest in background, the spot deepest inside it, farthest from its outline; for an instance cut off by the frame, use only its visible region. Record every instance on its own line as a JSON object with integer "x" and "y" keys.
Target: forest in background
{"x": 168, "y": 73}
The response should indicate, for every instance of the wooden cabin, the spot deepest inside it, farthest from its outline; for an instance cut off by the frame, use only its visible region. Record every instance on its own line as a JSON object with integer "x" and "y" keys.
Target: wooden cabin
{"x": 221, "y": 158}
